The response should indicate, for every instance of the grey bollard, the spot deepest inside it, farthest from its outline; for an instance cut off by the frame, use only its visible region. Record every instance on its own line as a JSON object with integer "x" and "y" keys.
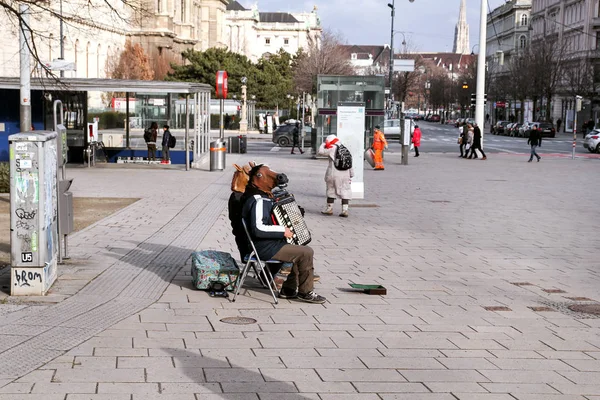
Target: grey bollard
{"x": 217, "y": 155}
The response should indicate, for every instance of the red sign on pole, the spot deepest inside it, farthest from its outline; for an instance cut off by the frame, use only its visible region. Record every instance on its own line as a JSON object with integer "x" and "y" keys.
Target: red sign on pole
{"x": 221, "y": 84}
{"x": 500, "y": 104}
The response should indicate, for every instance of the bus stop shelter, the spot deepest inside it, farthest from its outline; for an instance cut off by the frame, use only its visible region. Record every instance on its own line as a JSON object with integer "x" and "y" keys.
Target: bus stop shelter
{"x": 118, "y": 111}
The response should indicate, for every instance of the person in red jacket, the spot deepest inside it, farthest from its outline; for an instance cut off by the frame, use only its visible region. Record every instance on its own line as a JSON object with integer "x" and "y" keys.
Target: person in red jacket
{"x": 416, "y": 139}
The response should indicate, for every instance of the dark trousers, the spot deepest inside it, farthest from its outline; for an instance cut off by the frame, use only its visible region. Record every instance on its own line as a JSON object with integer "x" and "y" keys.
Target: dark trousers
{"x": 462, "y": 149}
{"x": 533, "y": 152}
{"x": 302, "y": 275}
{"x": 416, "y": 151}
{"x": 473, "y": 152}
{"x": 296, "y": 144}
{"x": 165, "y": 153}
{"x": 151, "y": 152}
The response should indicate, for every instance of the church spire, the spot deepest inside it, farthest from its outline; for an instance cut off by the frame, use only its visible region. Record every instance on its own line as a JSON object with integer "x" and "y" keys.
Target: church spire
{"x": 461, "y": 32}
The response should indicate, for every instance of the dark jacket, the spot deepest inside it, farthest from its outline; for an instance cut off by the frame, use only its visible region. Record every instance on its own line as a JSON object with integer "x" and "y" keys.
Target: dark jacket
{"x": 153, "y": 135}
{"x": 535, "y": 139}
{"x": 235, "y": 206}
{"x": 165, "y": 139}
{"x": 295, "y": 133}
{"x": 268, "y": 238}
{"x": 476, "y": 137}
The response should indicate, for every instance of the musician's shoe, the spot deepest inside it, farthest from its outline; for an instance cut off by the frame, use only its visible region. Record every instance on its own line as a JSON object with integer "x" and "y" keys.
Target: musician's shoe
{"x": 311, "y": 297}
{"x": 286, "y": 293}
{"x": 344, "y": 214}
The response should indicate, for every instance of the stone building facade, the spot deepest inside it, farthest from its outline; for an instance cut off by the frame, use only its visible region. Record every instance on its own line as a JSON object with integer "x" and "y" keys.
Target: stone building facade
{"x": 256, "y": 34}
{"x": 163, "y": 27}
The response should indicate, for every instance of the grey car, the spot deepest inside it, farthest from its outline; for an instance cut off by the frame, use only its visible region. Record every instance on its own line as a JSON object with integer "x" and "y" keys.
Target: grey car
{"x": 283, "y": 135}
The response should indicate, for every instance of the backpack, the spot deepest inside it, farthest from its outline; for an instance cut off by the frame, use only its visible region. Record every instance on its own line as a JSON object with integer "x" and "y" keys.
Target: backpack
{"x": 172, "y": 141}
{"x": 343, "y": 158}
{"x": 148, "y": 135}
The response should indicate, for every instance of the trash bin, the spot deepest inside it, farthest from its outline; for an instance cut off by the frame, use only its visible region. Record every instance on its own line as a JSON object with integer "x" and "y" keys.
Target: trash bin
{"x": 234, "y": 144}
{"x": 217, "y": 155}
{"x": 243, "y": 144}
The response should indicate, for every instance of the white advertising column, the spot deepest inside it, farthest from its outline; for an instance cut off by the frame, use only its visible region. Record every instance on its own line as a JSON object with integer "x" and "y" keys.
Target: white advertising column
{"x": 351, "y": 132}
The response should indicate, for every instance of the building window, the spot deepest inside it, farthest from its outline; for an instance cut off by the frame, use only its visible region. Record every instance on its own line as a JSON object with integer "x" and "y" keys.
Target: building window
{"x": 183, "y": 10}
{"x": 524, "y": 20}
{"x": 522, "y": 42}
{"x": 286, "y": 41}
{"x": 87, "y": 60}
{"x": 353, "y": 56}
{"x": 268, "y": 41}
{"x": 158, "y": 6}
{"x": 597, "y": 40}
{"x": 98, "y": 60}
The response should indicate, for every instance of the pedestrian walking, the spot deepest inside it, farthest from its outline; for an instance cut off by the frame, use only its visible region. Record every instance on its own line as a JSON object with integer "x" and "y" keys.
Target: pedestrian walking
{"x": 476, "y": 145}
{"x": 469, "y": 136}
{"x": 339, "y": 182}
{"x": 558, "y": 124}
{"x": 416, "y": 139}
{"x": 487, "y": 119}
{"x": 535, "y": 140}
{"x": 150, "y": 136}
{"x": 295, "y": 137}
{"x": 379, "y": 144}
{"x": 166, "y": 158}
{"x": 462, "y": 140}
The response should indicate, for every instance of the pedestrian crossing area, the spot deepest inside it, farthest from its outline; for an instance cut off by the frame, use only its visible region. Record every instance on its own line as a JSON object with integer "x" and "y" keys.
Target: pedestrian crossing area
{"x": 487, "y": 138}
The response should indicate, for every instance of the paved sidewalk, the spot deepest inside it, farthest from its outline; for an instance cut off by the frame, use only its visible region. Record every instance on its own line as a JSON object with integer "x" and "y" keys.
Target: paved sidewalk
{"x": 481, "y": 260}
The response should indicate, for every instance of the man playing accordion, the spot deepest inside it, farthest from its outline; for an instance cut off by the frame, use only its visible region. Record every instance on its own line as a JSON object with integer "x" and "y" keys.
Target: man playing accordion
{"x": 270, "y": 239}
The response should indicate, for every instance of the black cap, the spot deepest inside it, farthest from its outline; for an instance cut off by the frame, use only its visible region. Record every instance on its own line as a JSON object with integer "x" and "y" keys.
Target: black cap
{"x": 377, "y": 127}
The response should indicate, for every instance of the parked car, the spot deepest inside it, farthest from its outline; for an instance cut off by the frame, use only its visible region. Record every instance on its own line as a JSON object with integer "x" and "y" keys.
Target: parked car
{"x": 391, "y": 128}
{"x": 546, "y": 129}
{"x": 283, "y": 135}
{"x": 592, "y": 141}
{"x": 498, "y": 129}
{"x": 524, "y": 129}
{"x": 435, "y": 118}
{"x": 514, "y": 129}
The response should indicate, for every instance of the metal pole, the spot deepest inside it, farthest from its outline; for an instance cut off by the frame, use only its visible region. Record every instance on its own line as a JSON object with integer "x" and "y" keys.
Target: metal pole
{"x": 25, "y": 68}
{"x": 222, "y": 126}
{"x": 575, "y": 131}
{"x": 62, "y": 44}
{"x": 391, "y": 96}
{"x": 405, "y": 148}
{"x": 127, "y": 119}
{"x": 480, "y": 93}
{"x": 187, "y": 133}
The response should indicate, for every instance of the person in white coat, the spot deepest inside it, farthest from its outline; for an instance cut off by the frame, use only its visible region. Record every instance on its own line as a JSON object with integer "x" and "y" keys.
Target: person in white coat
{"x": 339, "y": 183}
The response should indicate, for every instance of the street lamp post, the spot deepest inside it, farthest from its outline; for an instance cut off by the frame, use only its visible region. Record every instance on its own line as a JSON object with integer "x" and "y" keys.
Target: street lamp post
{"x": 392, "y": 5}
{"x": 480, "y": 93}
{"x": 244, "y": 116}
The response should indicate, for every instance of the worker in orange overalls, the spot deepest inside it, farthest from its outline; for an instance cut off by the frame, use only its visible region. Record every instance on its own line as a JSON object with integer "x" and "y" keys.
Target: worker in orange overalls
{"x": 379, "y": 144}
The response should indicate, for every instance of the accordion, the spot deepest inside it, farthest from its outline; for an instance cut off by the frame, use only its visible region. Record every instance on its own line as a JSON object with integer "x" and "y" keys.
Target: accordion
{"x": 288, "y": 214}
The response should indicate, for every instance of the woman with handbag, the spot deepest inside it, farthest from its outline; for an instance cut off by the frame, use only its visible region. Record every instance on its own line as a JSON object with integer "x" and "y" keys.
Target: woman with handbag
{"x": 470, "y": 135}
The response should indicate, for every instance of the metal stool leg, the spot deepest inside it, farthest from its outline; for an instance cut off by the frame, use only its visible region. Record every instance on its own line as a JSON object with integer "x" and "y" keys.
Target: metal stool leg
{"x": 240, "y": 282}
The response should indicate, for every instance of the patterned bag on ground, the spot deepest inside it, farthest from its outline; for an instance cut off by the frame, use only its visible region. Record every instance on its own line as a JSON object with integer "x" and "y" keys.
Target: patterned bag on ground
{"x": 212, "y": 265}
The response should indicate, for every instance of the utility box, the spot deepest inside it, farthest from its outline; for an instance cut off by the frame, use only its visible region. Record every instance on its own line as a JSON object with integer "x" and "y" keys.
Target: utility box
{"x": 34, "y": 212}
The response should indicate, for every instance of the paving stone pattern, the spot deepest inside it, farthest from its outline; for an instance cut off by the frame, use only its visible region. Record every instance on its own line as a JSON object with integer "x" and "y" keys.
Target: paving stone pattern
{"x": 447, "y": 237}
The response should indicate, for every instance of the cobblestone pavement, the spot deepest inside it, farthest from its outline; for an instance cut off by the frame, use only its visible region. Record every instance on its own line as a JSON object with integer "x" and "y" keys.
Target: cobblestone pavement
{"x": 481, "y": 260}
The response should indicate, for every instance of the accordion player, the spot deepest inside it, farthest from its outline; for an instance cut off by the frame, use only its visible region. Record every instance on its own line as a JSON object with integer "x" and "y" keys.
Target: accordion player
{"x": 286, "y": 212}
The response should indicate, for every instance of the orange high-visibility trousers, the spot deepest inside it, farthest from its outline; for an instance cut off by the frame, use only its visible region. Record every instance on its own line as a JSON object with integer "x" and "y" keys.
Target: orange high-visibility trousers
{"x": 378, "y": 159}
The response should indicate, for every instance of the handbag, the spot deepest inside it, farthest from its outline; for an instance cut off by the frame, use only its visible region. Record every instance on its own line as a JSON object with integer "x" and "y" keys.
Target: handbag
{"x": 459, "y": 141}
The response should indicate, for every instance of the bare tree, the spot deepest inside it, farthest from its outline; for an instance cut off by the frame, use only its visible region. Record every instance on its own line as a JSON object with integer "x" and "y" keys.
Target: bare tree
{"x": 82, "y": 16}
{"x": 323, "y": 56}
{"x": 547, "y": 58}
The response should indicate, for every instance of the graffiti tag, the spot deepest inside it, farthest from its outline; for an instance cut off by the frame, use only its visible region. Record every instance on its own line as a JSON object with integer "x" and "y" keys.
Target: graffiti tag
{"x": 22, "y": 214}
{"x": 23, "y": 278}
{"x": 24, "y": 225}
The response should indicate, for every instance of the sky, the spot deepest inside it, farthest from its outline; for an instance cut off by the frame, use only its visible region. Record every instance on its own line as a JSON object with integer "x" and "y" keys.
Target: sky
{"x": 428, "y": 25}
